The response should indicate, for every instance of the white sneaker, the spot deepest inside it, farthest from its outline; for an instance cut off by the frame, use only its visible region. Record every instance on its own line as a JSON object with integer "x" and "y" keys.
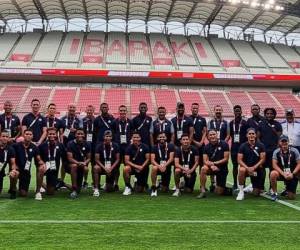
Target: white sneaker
{"x": 38, "y": 196}
{"x": 240, "y": 196}
{"x": 42, "y": 190}
{"x": 248, "y": 189}
{"x": 176, "y": 193}
{"x": 103, "y": 187}
{"x": 127, "y": 191}
{"x": 96, "y": 193}
{"x": 154, "y": 193}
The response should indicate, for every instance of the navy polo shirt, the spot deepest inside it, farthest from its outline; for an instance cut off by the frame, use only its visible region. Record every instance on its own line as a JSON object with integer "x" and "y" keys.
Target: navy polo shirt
{"x": 79, "y": 151}
{"x": 165, "y": 150}
{"x": 165, "y": 126}
{"x": 36, "y": 127}
{"x": 199, "y": 124}
{"x": 219, "y": 125}
{"x": 101, "y": 124}
{"x": 44, "y": 152}
{"x": 11, "y": 123}
{"x": 240, "y": 127}
{"x": 54, "y": 122}
{"x": 142, "y": 125}
{"x": 137, "y": 155}
{"x": 184, "y": 155}
{"x": 216, "y": 152}
{"x": 251, "y": 154}
{"x": 110, "y": 150}
{"x": 126, "y": 128}
{"x": 183, "y": 124}
{"x": 293, "y": 154}
{"x": 268, "y": 135}
{"x": 32, "y": 153}
{"x": 10, "y": 155}
{"x": 253, "y": 122}
{"x": 68, "y": 122}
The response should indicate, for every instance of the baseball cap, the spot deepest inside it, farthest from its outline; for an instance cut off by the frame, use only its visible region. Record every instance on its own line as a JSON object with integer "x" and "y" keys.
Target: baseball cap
{"x": 283, "y": 138}
{"x": 289, "y": 111}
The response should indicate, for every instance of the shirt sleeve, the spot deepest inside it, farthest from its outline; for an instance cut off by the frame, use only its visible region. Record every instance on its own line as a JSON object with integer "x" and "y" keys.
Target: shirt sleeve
{"x": 274, "y": 157}
{"x": 25, "y": 121}
{"x": 225, "y": 147}
{"x": 177, "y": 153}
{"x": 242, "y": 149}
{"x": 297, "y": 154}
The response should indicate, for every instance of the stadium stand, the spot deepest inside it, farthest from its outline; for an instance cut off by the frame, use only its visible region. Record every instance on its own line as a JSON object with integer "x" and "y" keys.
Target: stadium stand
{"x": 62, "y": 97}
{"x": 214, "y": 98}
{"x": 140, "y": 95}
{"x": 288, "y": 100}
{"x": 166, "y": 98}
{"x": 115, "y": 98}
{"x": 138, "y": 50}
{"x": 13, "y": 94}
{"x": 89, "y": 96}
{"x": 240, "y": 98}
{"x": 7, "y": 42}
{"x": 289, "y": 55}
{"x": 190, "y": 97}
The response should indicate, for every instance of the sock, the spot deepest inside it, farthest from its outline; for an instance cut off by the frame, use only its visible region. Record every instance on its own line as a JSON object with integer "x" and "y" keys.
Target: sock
{"x": 241, "y": 188}
{"x": 153, "y": 188}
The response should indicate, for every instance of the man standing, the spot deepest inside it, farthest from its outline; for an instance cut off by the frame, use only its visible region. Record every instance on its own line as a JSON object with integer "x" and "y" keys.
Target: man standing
{"x": 107, "y": 157}
{"x": 291, "y": 128}
{"x": 256, "y": 119}
{"x": 51, "y": 153}
{"x": 161, "y": 124}
{"x": 122, "y": 129}
{"x": 26, "y": 151}
{"x": 79, "y": 157}
{"x": 10, "y": 122}
{"x": 142, "y": 123}
{"x": 137, "y": 159}
{"x": 36, "y": 123}
{"x": 8, "y": 158}
{"x": 182, "y": 124}
{"x": 162, "y": 158}
{"x": 215, "y": 157}
{"x": 268, "y": 133}
{"x": 186, "y": 163}
{"x": 286, "y": 167}
{"x": 251, "y": 157}
{"x": 54, "y": 122}
{"x": 219, "y": 124}
{"x": 103, "y": 122}
{"x": 238, "y": 131}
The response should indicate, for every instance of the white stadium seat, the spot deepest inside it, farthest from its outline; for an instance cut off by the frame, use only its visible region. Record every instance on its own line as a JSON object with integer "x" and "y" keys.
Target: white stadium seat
{"x": 71, "y": 48}
{"x": 7, "y": 41}
{"x": 182, "y": 50}
{"x": 138, "y": 49}
{"x": 116, "y": 48}
{"x": 48, "y": 47}
{"x": 204, "y": 52}
{"x": 290, "y": 55}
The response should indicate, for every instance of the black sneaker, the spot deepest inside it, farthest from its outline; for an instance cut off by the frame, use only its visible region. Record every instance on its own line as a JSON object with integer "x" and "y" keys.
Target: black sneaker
{"x": 13, "y": 195}
{"x": 59, "y": 184}
{"x": 284, "y": 193}
{"x": 116, "y": 188}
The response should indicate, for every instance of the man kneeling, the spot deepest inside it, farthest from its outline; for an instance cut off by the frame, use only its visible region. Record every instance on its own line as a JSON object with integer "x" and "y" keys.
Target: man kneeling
{"x": 186, "y": 163}
{"x": 137, "y": 159}
{"x": 286, "y": 167}
{"x": 215, "y": 158}
{"x": 162, "y": 158}
{"x": 107, "y": 159}
{"x": 251, "y": 157}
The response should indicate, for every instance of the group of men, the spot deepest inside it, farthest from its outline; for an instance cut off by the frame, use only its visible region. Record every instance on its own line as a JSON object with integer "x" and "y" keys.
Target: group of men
{"x": 160, "y": 146}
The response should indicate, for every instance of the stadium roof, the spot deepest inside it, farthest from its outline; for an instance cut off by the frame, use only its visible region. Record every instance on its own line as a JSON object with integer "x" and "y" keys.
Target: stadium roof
{"x": 275, "y": 15}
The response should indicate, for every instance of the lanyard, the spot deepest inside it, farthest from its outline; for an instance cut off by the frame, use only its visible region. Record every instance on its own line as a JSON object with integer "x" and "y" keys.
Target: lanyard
{"x": 26, "y": 153}
{"x": 160, "y": 153}
{"x": 289, "y": 160}
{"x": 234, "y": 128}
{"x": 195, "y": 120}
{"x": 162, "y": 125}
{"x": 5, "y": 156}
{"x": 136, "y": 153}
{"x": 120, "y": 127}
{"x": 49, "y": 153}
{"x": 188, "y": 159}
{"x": 110, "y": 152}
{"x": 105, "y": 123}
{"x": 34, "y": 121}
{"x": 81, "y": 153}
{"x": 215, "y": 125}
{"x": 215, "y": 152}
{"x": 181, "y": 124}
{"x": 67, "y": 122}
{"x": 7, "y": 125}
{"x": 142, "y": 124}
{"x": 87, "y": 126}
{"x": 48, "y": 122}
{"x": 252, "y": 147}
{"x": 287, "y": 126}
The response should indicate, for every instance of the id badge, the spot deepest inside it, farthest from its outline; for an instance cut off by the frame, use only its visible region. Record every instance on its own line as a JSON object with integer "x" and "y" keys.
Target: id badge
{"x": 179, "y": 134}
{"x": 9, "y": 132}
{"x": 186, "y": 166}
{"x": 52, "y": 165}
{"x": 255, "y": 174}
{"x": 162, "y": 163}
{"x": 89, "y": 137}
{"x": 236, "y": 138}
{"x": 67, "y": 132}
{"x": 47, "y": 165}
{"x": 27, "y": 165}
{"x": 107, "y": 164}
{"x": 287, "y": 170}
{"x": 123, "y": 139}
{"x": 218, "y": 134}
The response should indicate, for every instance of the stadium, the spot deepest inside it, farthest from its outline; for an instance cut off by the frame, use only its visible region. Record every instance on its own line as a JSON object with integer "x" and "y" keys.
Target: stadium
{"x": 161, "y": 52}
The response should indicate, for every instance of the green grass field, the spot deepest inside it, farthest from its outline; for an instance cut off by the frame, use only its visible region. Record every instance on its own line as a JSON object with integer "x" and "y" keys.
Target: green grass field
{"x": 141, "y": 222}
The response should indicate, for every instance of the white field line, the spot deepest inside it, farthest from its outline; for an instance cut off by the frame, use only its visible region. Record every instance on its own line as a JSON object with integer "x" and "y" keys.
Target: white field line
{"x": 285, "y": 203}
{"x": 148, "y": 222}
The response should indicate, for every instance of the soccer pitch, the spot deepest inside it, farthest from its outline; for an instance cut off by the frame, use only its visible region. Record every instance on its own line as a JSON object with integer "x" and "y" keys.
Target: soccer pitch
{"x": 141, "y": 222}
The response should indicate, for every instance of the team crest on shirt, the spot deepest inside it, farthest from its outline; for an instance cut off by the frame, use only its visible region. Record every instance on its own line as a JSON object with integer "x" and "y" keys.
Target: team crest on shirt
{"x": 183, "y": 120}
{"x": 57, "y": 147}
{"x": 40, "y": 119}
{"x": 256, "y": 148}
{"x": 30, "y": 150}
{"x": 148, "y": 121}
{"x": 83, "y": 148}
{"x": 141, "y": 150}
{"x": 219, "y": 148}
{"x": 13, "y": 119}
